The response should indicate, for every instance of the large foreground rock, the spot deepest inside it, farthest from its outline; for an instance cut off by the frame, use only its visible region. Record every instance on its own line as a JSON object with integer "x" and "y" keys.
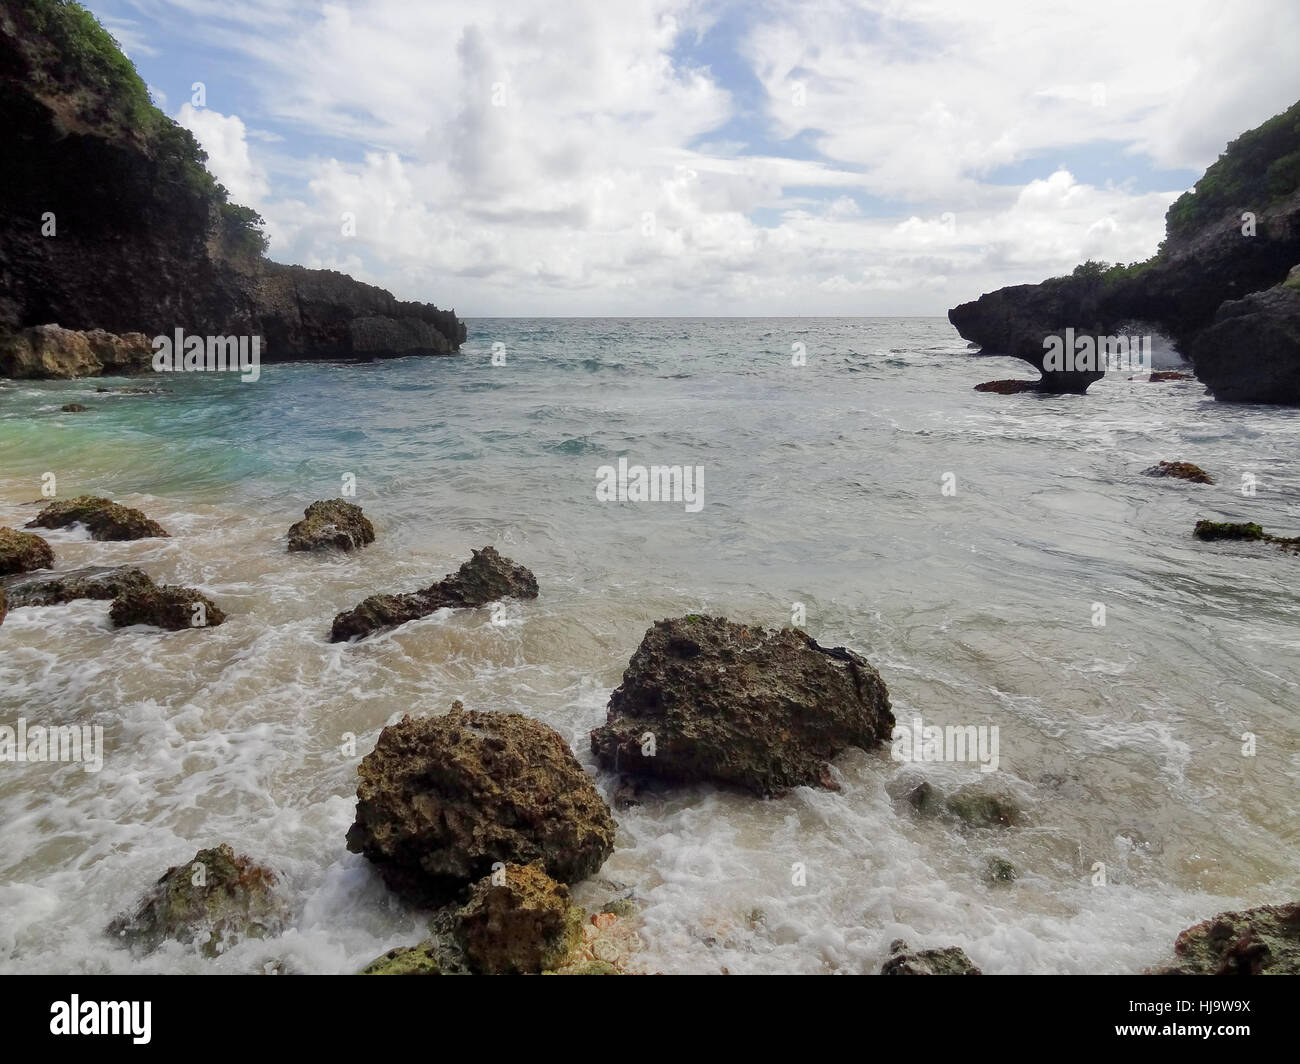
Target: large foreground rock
{"x": 519, "y": 921}
{"x": 96, "y": 582}
{"x": 1263, "y": 941}
{"x": 1251, "y": 353}
{"x": 49, "y": 351}
{"x": 215, "y": 901}
{"x": 706, "y": 699}
{"x": 486, "y": 577}
{"x": 334, "y": 523}
{"x": 23, "y": 552}
{"x": 103, "y": 518}
{"x": 170, "y": 607}
{"x": 441, "y": 799}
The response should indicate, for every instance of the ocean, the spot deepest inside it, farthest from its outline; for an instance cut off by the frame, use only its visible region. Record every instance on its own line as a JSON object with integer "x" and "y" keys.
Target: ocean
{"x": 960, "y": 541}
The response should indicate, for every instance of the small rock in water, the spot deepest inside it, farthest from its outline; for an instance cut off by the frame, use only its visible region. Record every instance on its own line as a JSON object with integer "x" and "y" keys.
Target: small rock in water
{"x": 22, "y": 552}
{"x": 1000, "y": 870}
{"x": 216, "y": 900}
{"x": 72, "y": 408}
{"x": 55, "y": 589}
{"x": 519, "y": 921}
{"x": 1180, "y": 471}
{"x": 334, "y": 523}
{"x": 1009, "y": 387}
{"x": 1263, "y": 941}
{"x": 105, "y": 519}
{"x": 170, "y": 607}
{"x": 905, "y": 961}
{"x": 982, "y": 809}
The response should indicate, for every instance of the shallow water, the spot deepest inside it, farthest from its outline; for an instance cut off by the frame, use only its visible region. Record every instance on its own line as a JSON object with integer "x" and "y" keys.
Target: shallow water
{"x": 823, "y": 485}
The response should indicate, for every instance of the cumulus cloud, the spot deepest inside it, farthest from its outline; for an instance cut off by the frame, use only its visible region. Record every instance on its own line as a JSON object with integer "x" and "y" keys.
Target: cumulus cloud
{"x": 528, "y": 157}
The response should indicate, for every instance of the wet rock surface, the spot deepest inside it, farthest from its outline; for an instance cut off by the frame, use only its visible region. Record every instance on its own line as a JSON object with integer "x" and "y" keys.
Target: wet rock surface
{"x": 331, "y": 524}
{"x": 54, "y": 589}
{"x": 486, "y": 577}
{"x": 1179, "y": 471}
{"x": 23, "y": 552}
{"x": 167, "y": 606}
{"x": 441, "y": 799}
{"x": 1262, "y": 941}
{"x": 517, "y": 921}
{"x": 704, "y": 698}
{"x": 213, "y": 901}
{"x": 103, "y": 518}
{"x": 906, "y": 961}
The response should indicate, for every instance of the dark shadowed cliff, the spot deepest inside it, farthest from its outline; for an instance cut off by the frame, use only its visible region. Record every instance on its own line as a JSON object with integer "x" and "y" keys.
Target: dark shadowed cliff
{"x": 109, "y": 219}
{"x": 1217, "y": 287}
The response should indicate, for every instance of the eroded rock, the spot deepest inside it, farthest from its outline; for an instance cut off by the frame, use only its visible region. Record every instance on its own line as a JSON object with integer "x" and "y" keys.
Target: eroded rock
{"x": 103, "y": 518}
{"x": 1179, "y": 471}
{"x": 335, "y": 523}
{"x": 441, "y": 799}
{"x": 486, "y": 577}
{"x": 518, "y": 921}
{"x": 1262, "y": 941}
{"x": 706, "y": 699}
{"x": 215, "y": 901}
{"x": 906, "y": 961}
{"x": 54, "y": 589}
{"x": 23, "y": 552}
{"x": 168, "y": 606}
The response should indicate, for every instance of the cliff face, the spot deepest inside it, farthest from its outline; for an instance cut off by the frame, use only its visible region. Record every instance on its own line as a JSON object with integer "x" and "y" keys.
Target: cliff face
{"x": 108, "y": 219}
{"x": 1194, "y": 290}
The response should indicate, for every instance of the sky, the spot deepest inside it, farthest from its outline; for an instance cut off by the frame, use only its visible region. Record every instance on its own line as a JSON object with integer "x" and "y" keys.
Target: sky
{"x": 657, "y": 157}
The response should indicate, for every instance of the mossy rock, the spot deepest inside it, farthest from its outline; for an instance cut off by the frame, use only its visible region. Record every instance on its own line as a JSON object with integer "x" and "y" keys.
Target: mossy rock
{"x": 1179, "y": 471}
{"x": 103, "y": 518}
{"x": 173, "y": 608}
{"x": 332, "y": 524}
{"x": 998, "y": 870}
{"x": 22, "y": 552}
{"x": 519, "y": 921}
{"x": 1212, "y": 530}
{"x": 983, "y": 809}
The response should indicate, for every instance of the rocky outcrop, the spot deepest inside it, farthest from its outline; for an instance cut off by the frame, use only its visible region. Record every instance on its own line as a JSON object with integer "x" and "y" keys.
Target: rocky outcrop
{"x": 111, "y": 222}
{"x": 706, "y": 699}
{"x": 1251, "y": 353}
{"x": 55, "y": 589}
{"x": 1236, "y": 234}
{"x": 442, "y": 799}
{"x": 45, "y": 351}
{"x": 1263, "y": 941}
{"x": 486, "y": 577}
{"x": 22, "y": 552}
{"x": 1179, "y": 471}
{"x": 214, "y": 901}
{"x": 170, "y": 607}
{"x": 102, "y": 518}
{"x": 336, "y": 523}
{"x": 519, "y": 921}
{"x": 906, "y": 961}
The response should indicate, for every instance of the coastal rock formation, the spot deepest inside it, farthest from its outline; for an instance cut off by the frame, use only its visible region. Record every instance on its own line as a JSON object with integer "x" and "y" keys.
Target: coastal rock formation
{"x": 706, "y": 699}
{"x": 48, "y": 351}
{"x": 1179, "y": 471}
{"x": 335, "y": 523}
{"x": 21, "y": 552}
{"x": 1263, "y": 941}
{"x": 103, "y": 519}
{"x": 486, "y": 577}
{"x": 519, "y": 921}
{"x": 112, "y": 222}
{"x": 54, "y": 589}
{"x": 1220, "y": 287}
{"x": 441, "y": 799}
{"x": 214, "y": 901}
{"x": 168, "y": 606}
{"x": 906, "y": 961}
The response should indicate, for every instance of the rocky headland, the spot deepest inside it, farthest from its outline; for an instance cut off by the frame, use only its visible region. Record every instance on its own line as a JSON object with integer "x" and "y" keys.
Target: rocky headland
{"x": 1222, "y": 287}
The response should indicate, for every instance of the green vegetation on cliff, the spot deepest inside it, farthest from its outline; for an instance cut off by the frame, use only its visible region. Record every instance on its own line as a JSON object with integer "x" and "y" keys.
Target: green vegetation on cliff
{"x": 1257, "y": 168}
{"x": 76, "y": 60}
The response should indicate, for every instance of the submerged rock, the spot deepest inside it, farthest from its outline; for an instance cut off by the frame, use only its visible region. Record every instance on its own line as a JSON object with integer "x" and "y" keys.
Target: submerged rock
{"x": 1263, "y": 941}
{"x": 486, "y": 577}
{"x": 216, "y": 900}
{"x": 335, "y": 523}
{"x": 1160, "y": 376}
{"x": 1180, "y": 471}
{"x": 706, "y": 699}
{"x": 72, "y": 408}
{"x": 1000, "y": 870}
{"x": 23, "y": 552}
{"x": 979, "y": 808}
{"x": 1010, "y": 387}
{"x": 96, "y": 582}
{"x": 519, "y": 921}
{"x": 103, "y": 518}
{"x": 905, "y": 961}
{"x": 167, "y": 606}
{"x": 442, "y": 799}
{"x": 1212, "y": 530}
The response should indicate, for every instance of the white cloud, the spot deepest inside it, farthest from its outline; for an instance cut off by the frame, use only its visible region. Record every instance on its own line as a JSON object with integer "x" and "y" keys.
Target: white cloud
{"x": 225, "y": 140}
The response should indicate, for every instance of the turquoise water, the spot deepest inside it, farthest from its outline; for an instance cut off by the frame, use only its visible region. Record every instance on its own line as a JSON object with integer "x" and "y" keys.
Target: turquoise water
{"x": 823, "y": 486}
